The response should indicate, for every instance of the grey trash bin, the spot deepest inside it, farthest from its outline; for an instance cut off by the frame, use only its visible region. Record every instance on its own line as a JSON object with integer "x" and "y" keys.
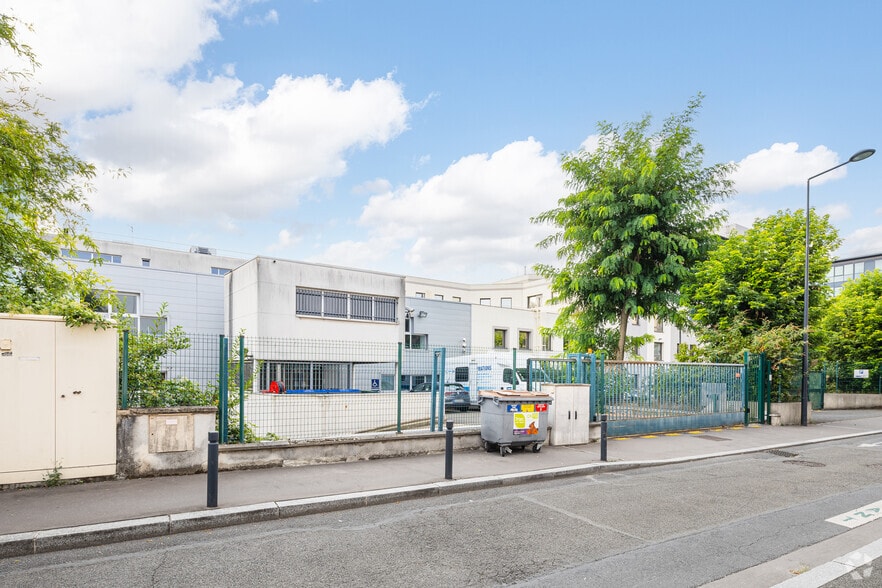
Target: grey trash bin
{"x": 513, "y": 418}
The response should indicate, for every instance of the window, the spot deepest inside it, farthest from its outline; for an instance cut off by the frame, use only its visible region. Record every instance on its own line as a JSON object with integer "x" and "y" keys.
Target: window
{"x": 534, "y": 301}
{"x": 506, "y": 375}
{"x": 461, "y": 374}
{"x": 523, "y": 339}
{"x": 485, "y": 302}
{"x": 331, "y": 304}
{"x": 308, "y": 302}
{"x": 456, "y": 298}
{"x": 219, "y": 271}
{"x": 546, "y": 342}
{"x": 635, "y": 320}
{"x": 439, "y": 296}
{"x": 657, "y": 351}
{"x": 659, "y": 326}
{"x": 416, "y": 341}
{"x": 499, "y": 338}
{"x": 505, "y": 302}
{"x": 128, "y": 303}
{"x": 145, "y": 262}
{"x": 361, "y": 307}
{"x": 91, "y": 255}
{"x": 385, "y": 309}
{"x": 420, "y": 294}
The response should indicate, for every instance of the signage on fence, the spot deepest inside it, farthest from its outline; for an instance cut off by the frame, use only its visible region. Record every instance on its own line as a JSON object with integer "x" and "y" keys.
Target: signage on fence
{"x": 861, "y": 373}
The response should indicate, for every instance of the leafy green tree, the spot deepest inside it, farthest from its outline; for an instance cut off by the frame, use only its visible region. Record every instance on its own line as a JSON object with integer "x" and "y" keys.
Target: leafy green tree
{"x": 748, "y": 294}
{"x": 640, "y": 215}
{"x": 759, "y": 276}
{"x": 853, "y": 322}
{"x": 43, "y": 197}
{"x": 146, "y": 383}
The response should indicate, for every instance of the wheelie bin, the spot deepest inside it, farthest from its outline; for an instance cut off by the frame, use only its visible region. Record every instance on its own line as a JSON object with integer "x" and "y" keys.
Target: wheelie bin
{"x": 513, "y": 418}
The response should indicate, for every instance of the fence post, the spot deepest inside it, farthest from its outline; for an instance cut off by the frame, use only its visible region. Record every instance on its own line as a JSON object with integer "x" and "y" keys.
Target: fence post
{"x": 744, "y": 389}
{"x": 441, "y": 370}
{"x": 603, "y": 437}
{"x": 241, "y": 389}
{"x": 124, "y": 384}
{"x": 212, "y": 468}
{"x": 223, "y": 383}
{"x": 448, "y": 452}
{"x": 398, "y": 387}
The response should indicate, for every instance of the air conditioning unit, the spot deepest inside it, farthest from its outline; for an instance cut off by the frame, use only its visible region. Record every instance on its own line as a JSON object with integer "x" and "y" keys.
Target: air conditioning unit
{"x": 203, "y": 250}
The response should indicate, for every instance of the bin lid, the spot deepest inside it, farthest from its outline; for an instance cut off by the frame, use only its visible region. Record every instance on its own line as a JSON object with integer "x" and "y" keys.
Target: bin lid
{"x": 515, "y": 395}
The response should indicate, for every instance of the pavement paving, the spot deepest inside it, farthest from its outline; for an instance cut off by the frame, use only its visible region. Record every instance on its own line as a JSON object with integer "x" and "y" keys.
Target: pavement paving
{"x": 41, "y": 519}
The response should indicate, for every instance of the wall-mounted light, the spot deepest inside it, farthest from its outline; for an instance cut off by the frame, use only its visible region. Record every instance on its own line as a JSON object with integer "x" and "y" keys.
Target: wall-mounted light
{"x": 422, "y": 314}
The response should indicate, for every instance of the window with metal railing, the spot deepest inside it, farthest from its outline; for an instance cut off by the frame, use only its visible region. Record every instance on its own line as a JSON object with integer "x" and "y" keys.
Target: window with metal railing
{"x": 345, "y": 305}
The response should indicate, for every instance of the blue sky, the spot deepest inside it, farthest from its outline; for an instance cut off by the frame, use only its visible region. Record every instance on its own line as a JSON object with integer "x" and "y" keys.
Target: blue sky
{"x": 420, "y": 137}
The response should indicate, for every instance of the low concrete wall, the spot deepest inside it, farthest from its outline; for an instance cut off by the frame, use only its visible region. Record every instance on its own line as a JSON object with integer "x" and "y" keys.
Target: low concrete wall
{"x": 160, "y": 441}
{"x": 844, "y": 401}
{"x": 790, "y": 413}
{"x": 293, "y": 453}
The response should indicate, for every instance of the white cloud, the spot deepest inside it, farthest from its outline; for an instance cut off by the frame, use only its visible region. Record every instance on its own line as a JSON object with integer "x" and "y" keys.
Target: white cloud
{"x": 838, "y": 212}
{"x": 783, "y": 165}
{"x": 95, "y": 55}
{"x": 864, "y": 241}
{"x": 269, "y": 17}
{"x": 469, "y": 223}
{"x": 195, "y": 146}
{"x": 208, "y": 147}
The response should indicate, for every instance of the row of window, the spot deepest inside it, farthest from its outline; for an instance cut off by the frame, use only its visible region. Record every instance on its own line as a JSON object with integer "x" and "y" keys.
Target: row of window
{"x": 437, "y": 296}
{"x": 500, "y": 340}
{"x": 505, "y": 302}
{"x": 111, "y": 258}
{"x": 332, "y": 304}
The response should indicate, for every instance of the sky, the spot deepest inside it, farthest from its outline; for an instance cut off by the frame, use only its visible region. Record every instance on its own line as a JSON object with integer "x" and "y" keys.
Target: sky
{"x": 420, "y": 137}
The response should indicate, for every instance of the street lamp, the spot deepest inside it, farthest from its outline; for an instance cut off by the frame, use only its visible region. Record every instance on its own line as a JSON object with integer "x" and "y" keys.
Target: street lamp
{"x": 859, "y": 156}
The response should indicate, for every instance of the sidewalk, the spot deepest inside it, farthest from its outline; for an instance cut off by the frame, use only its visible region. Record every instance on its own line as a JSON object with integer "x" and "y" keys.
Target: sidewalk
{"x": 46, "y": 519}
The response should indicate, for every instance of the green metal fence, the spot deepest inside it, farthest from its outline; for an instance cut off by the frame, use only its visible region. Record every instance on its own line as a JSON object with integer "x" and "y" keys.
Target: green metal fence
{"x": 646, "y": 390}
{"x": 295, "y": 389}
{"x": 861, "y": 378}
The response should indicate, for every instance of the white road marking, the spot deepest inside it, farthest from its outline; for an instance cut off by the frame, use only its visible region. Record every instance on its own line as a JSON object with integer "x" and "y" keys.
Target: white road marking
{"x": 858, "y": 517}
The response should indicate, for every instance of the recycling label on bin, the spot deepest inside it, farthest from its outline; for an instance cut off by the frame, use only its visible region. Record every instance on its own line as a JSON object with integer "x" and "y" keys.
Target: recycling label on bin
{"x": 525, "y": 417}
{"x": 538, "y": 407}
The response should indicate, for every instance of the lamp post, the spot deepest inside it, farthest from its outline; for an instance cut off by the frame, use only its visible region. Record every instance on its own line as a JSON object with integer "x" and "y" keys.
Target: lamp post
{"x": 859, "y": 156}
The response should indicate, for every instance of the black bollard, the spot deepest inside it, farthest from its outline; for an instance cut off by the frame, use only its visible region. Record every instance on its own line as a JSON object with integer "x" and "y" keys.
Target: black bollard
{"x": 603, "y": 437}
{"x": 448, "y": 452}
{"x": 213, "y": 437}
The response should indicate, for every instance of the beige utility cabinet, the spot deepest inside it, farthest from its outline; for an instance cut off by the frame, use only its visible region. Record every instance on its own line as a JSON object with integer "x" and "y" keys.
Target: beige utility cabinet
{"x": 571, "y": 419}
{"x": 58, "y": 392}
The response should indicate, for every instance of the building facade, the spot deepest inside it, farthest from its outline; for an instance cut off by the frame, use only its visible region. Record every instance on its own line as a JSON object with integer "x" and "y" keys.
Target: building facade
{"x": 851, "y": 268}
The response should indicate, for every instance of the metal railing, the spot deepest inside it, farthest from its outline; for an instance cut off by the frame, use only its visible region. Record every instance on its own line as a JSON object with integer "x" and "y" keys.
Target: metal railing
{"x": 295, "y": 389}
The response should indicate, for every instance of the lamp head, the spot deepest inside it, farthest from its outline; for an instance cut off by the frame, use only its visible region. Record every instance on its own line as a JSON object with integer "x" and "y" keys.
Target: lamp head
{"x": 861, "y": 155}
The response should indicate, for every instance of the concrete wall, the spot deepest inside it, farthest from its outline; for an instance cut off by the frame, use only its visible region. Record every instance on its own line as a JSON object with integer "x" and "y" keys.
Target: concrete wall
{"x": 162, "y": 441}
{"x": 279, "y": 453}
{"x": 789, "y": 413}
{"x": 843, "y": 401}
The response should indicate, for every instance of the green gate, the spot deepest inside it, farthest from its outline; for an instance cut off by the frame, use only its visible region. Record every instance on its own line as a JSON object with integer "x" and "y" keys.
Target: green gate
{"x": 758, "y": 387}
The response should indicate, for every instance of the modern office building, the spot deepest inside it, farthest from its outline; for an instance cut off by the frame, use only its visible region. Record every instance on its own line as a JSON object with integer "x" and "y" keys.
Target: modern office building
{"x": 851, "y": 268}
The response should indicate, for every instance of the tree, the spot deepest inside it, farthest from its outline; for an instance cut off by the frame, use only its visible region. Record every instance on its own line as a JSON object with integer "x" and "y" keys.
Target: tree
{"x": 759, "y": 276}
{"x": 637, "y": 220}
{"x": 748, "y": 294}
{"x": 43, "y": 189}
{"x": 853, "y": 322}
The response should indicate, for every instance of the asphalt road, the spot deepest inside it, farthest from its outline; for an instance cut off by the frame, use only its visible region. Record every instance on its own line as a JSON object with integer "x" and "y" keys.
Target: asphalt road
{"x": 685, "y": 525}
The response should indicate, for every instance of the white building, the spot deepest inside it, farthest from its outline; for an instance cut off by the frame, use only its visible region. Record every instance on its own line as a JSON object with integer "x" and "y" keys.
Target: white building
{"x": 276, "y": 298}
